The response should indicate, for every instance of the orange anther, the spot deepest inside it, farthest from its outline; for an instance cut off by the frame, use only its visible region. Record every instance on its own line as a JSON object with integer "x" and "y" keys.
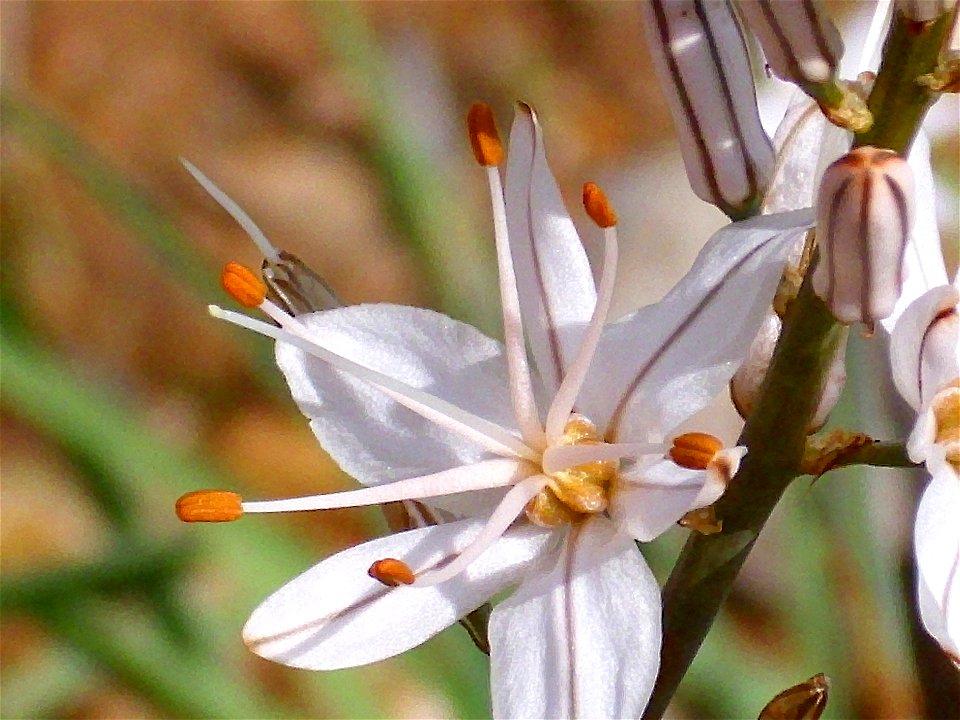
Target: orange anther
{"x": 392, "y": 572}
{"x": 484, "y": 138}
{"x": 597, "y": 206}
{"x": 243, "y": 285}
{"x": 209, "y": 506}
{"x": 695, "y": 450}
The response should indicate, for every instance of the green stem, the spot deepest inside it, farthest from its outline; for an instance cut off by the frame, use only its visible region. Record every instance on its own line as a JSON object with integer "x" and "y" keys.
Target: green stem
{"x": 878, "y": 454}
{"x": 898, "y": 102}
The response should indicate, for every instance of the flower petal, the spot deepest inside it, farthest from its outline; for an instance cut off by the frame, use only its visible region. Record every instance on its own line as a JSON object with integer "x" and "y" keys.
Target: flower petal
{"x": 916, "y": 372}
{"x": 655, "y": 493}
{"x": 806, "y": 143}
{"x": 666, "y": 361}
{"x": 556, "y": 288}
{"x": 581, "y": 638}
{"x": 923, "y": 266}
{"x": 371, "y": 436}
{"x": 335, "y": 616}
{"x": 937, "y": 547}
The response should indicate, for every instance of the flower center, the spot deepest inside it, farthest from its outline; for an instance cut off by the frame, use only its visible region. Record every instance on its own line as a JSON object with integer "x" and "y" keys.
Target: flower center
{"x": 578, "y": 491}
{"x": 946, "y": 409}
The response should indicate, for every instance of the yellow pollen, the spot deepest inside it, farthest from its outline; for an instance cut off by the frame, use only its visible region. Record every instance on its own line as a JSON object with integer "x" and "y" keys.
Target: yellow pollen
{"x": 577, "y": 491}
{"x": 484, "y": 138}
{"x": 209, "y": 506}
{"x": 243, "y": 285}
{"x": 392, "y": 572}
{"x": 946, "y": 410}
{"x": 695, "y": 450}
{"x": 597, "y": 206}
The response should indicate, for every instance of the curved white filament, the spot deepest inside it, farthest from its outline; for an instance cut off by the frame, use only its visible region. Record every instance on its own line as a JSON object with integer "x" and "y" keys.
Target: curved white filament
{"x": 235, "y": 211}
{"x": 521, "y": 386}
{"x": 566, "y": 396}
{"x": 477, "y": 476}
{"x": 501, "y": 519}
{"x": 487, "y": 434}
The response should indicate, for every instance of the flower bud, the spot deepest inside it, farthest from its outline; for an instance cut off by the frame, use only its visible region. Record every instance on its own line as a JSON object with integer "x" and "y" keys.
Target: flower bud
{"x": 864, "y": 215}
{"x": 701, "y": 61}
{"x": 800, "y": 43}
{"x": 746, "y": 382}
{"x": 295, "y": 287}
{"x": 805, "y": 701}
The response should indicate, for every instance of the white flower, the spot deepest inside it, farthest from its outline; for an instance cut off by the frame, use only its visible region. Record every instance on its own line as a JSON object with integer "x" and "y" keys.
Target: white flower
{"x": 537, "y": 476}
{"x": 925, "y": 359}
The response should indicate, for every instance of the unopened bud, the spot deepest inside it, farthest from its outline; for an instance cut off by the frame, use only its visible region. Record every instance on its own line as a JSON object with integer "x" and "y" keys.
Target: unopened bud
{"x": 799, "y": 41}
{"x": 746, "y": 382}
{"x": 925, "y": 10}
{"x": 864, "y": 216}
{"x": 702, "y": 64}
{"x": 805, "y": 701}
{"x": 295, "y": 287}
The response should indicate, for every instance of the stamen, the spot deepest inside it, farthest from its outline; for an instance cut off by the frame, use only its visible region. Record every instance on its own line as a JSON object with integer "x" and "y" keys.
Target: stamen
{"x": 596, "y": 204}
{"x": 695, "y": 450}
{"x": 242, "y": 285}
{"x": 485, "y": 433}
{"x": 210, "y": 506}
{"x": 518, "y": 367}
{"x": 562, "y": 457}
{"x": 235, "y": 211}
{"x": 477, "y": 476}
{"x": 510, "y": 507}
{"x": 392, "y": 572}
{"x": 484, "y": 138}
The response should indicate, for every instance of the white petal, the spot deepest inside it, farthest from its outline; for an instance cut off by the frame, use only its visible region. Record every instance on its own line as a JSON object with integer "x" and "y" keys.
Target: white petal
{"x": 665, "y": 362}
{"x": 372, "y": 437}
{"x": 582, "y": 638}
{"x": 923, "y": 266}
{"x": 937, "y": 546}
{"x": 917, "y": 372}
{"x": 335, "y": 615}
{"x": 652, "y": 496}
{"x": 805, "y": 146}
{"x": 553, "y": 275}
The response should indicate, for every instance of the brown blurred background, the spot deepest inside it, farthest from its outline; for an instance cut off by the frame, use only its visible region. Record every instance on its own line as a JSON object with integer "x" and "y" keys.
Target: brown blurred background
{"x": 339, "y": 128}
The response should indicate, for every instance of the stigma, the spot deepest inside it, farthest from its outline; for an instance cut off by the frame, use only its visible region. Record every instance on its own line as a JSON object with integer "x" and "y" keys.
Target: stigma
{"x": 576, "y": 492}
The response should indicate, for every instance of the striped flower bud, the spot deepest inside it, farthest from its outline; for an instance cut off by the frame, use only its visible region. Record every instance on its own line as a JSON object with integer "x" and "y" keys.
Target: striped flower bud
{"x": 799, "y": 41}
{"x": 864, "y": 215}
{"x": 295, "y": 287}
{"x": 701, "y": 61}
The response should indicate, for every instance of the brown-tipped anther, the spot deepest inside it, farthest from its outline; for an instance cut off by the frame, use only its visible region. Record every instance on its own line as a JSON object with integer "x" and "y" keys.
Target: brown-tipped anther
{"x": 392, "y": 572}
{"x": 597, "y": 206}
{"x": 695, "y": 450}
{"x": 243, "y": 285}
{"x": 484, "y": 138}
{"x": 210, "y": 506}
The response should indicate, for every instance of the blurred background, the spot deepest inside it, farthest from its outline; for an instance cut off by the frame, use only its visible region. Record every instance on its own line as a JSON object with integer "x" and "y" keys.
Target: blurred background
{"x": 339, "y": 127}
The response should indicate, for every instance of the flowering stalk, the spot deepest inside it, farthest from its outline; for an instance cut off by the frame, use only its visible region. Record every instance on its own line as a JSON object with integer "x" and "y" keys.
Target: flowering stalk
{"x": 775, "y": 432}
{"x": 898, "y": 102}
